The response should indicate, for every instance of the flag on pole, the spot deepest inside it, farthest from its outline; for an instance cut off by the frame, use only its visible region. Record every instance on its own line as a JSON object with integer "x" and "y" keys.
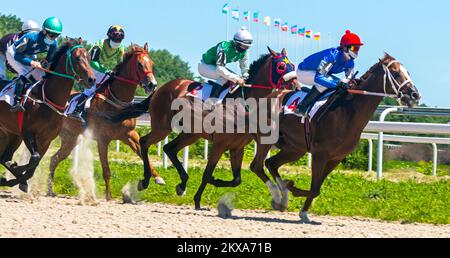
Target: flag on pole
{"x": 301, "y": 32}
{"x": 226, "y": 8}
{"x": 308, "y": 34}
{"x": 294, "y": 29}
{"x": 235, "y": 14}
{"x": 267, "y": 20}
{"x": 277, "y": 22}
{"x": 317, "y": 36}
{"x": 284, "y": 27}
{"x": 246, "y": 15}
{"x": 256, "y": 16}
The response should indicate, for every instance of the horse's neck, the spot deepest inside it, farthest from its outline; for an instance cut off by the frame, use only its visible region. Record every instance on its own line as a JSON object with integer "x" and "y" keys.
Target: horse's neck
{"x": 57, "y": 89}
{"x": 123, "y": 91}
{"x": 363, "y": 107}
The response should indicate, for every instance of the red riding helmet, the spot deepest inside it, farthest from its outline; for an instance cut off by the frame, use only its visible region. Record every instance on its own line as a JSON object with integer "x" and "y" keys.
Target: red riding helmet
{"x": 350, "y": 39}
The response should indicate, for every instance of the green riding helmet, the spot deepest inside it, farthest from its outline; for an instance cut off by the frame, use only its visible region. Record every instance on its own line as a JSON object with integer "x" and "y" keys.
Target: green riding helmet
{"x": 53, "y": 25}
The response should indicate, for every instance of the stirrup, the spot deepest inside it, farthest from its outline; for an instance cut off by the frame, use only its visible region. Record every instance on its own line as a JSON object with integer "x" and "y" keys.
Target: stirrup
{"x": 17, "y": 108}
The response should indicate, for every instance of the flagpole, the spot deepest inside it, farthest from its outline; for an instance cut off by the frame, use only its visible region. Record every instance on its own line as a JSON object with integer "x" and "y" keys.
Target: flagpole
{"x": 329, "y": 39}
{"x": 228, "y": 25}
{"x": 304, "y": 47}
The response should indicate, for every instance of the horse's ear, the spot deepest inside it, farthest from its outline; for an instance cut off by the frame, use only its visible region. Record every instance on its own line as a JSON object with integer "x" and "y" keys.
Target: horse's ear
{"x": 274, "y": 53}
{"x": 146, "y": 47}
{"x": 284, "y": 52}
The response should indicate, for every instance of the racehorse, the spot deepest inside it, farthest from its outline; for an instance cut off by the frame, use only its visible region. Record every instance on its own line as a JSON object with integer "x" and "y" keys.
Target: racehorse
{"x": 262, "y": 81}
{"x": 118, "y": 93}
{"x": 334, "y": 132}
{"x": 42, "y": 121}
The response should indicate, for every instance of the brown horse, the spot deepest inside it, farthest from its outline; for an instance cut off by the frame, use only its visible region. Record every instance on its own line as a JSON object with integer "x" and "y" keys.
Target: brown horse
{"x": 336, "y": 134}
{"x": 159, "y": 106}
{"x": 42, "y": 121}
{"x": 119, "y": 91}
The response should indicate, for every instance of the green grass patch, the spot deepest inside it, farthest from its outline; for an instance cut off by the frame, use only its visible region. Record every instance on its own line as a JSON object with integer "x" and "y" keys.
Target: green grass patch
{"x": 342, "y": 194}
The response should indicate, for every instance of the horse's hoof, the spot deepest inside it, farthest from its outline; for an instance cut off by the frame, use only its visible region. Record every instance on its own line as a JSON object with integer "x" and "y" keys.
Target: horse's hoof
{"x": 11, "y": 165}
{"x": 141, "y": 186}
{"x": 180, "y": 191}
{"x": 51, "y": 194}
{"x": 3, "y": 181}
{"x": 23, "y": 188}
{"x": 276, "y": 206}
{"x": 160, "y": 181}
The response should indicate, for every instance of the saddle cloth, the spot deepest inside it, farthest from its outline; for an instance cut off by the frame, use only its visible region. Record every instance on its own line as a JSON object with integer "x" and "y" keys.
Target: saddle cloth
{"x": 74, "y": 102}
{"x": 203, "y": 92}
{"x": 298, "y": 97}
{"x": 7, "y": 93}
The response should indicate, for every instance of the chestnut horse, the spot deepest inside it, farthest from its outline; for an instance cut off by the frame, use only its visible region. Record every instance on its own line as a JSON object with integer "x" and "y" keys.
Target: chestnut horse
{"x": 161, "y": 113}
{"x": 42, "y": 121}
{"x": 119, "y": 91}
{"x": 337, "y": 133}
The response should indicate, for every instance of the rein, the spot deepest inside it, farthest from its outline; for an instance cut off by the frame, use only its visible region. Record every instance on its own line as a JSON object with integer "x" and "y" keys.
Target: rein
{"x": 393, "y": 82}
{"x": 69, "y": 64}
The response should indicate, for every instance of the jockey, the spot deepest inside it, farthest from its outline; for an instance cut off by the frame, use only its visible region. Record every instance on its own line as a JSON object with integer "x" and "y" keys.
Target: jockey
{"x": 105, "y": 55}
{"x": 318, "y": 69}
{"x": 9, "y": 39}
{"x": 215, "y": 59}
{"x": 21, "y": 55}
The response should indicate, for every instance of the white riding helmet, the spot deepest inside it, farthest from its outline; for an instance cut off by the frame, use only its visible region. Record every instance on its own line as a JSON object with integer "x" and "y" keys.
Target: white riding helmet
{"x": 244, "y": 37}
{"x": 30, "y": 25}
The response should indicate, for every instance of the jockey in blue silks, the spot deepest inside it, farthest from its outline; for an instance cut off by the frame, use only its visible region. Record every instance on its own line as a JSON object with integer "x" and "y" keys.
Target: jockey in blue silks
{"x": 318, "y": 70}
{"x": 22, "y": 57}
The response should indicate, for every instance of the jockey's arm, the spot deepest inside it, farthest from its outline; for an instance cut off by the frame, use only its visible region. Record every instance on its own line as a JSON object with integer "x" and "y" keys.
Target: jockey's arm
{"x": 51, "y": 52}
{"x": 222, "y": 70}
{"x": 95, "y": 60}
{"x": 244, "y": 65}
{"x": 323, "y": 78}
{"x": 21, "y": 46}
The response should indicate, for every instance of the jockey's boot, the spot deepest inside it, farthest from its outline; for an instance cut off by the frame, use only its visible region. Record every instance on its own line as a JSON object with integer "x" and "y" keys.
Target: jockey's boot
{"x": 20, "y": 85}
{"x": 310, "y": 99}
{"x": 77, "y": 112}
{"x": 215, "y": 92}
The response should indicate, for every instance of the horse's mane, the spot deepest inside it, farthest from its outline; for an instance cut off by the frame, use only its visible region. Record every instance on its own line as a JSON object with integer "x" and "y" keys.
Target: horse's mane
{"x": 254, "y": 67}
{"x": 127, "y": 56}
{"x": 62, "y": 51}
{"x": 386, "y": 57}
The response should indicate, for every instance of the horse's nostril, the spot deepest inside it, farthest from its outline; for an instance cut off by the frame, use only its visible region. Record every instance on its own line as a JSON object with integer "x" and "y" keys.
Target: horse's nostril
{"x": 416, "y": 96}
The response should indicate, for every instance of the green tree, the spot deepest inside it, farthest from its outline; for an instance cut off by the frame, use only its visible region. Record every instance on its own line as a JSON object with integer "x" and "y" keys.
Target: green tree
{"x": 9, "y": 24}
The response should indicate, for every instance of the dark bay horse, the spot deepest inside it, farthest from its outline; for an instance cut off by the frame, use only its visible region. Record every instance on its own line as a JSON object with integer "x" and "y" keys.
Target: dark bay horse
{"x": 338, "y": 132}
{"x": 119, "y": 91}
{"x": 42, "y": 121}
{"x": 161, "y": 113}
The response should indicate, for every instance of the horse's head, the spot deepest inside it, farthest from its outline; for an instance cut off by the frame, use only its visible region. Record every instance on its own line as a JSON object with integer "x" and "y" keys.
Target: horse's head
{"x": 77, "y": 62}
{"x": 140, "y": 67}
{"x": 282, "y": 72}
{"x": 397, "y": 81}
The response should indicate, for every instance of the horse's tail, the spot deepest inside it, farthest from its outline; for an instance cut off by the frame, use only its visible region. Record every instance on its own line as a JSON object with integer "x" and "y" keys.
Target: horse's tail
{"x": 133, "y": 111}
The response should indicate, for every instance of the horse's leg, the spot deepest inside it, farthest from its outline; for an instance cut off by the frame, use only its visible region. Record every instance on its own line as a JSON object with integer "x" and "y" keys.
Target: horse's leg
{"x": 8, "y": 149}
{"x": 274, "y": 163}
{"x": 103, "y": 155}
{"x": 145, "y": 142}
{"x": 214, "y": 158}
{"x": 257, "y": 167}
{"x": 320, "y": 170}
{"x": 132, "y": 139}
{"x": 68, "y": 143}
{"x": 236, "y": 157}
{"x": 172, "y": 149}
{"x": 30, "y": 141}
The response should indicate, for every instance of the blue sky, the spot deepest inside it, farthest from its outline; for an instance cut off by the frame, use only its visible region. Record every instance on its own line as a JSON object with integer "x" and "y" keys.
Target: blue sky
{"x": 415, "y": 32}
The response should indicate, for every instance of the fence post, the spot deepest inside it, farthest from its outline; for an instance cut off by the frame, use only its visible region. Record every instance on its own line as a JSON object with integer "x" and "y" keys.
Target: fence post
{"x": 206, "y": 150}
{"x": 370, "y": 155}
{"x": 381, "y": 144}
{"x": 435, "y": 159}
{"x": 186, "y": 158}
{"x": 159, "y": 149}
{"x": 117, "y": 146}
{"x": 309, "y": 160}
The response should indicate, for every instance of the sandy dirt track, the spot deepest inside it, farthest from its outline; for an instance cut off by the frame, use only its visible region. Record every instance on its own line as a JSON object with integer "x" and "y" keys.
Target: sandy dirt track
{"x": 66, "y": 217}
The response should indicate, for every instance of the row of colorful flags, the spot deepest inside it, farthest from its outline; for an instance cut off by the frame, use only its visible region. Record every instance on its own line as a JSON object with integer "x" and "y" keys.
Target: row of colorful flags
{"x": 295, "y": 30}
